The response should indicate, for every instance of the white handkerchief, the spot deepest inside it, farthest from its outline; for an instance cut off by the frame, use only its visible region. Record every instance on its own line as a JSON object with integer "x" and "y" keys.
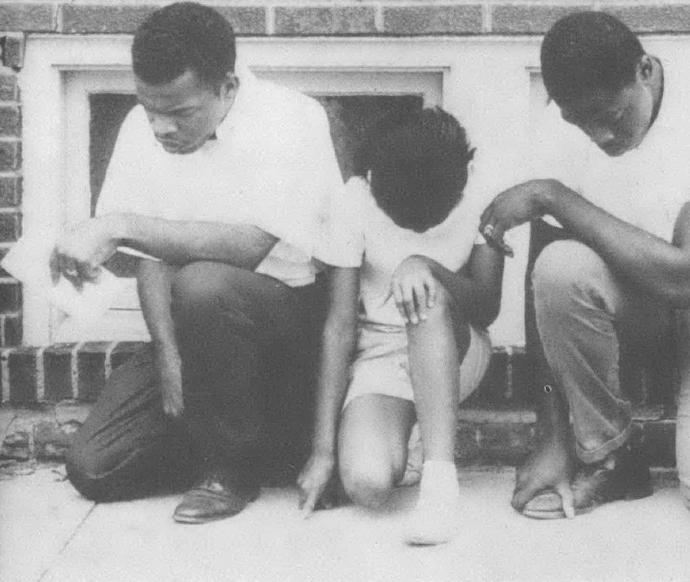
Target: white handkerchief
{"x": 29, "y": 262}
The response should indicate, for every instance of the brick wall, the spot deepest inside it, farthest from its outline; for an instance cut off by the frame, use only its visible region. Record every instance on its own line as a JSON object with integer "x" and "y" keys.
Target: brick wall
{"x": 264, "y": 18}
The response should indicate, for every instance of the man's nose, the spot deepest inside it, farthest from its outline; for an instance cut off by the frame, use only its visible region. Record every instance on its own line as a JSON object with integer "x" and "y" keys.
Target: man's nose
{"x": 600, "y": 134}
{"x": 162, "y": 125}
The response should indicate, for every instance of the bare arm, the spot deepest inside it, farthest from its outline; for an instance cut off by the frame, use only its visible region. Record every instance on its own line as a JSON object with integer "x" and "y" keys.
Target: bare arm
{"x": 338, "y": 344}
{"x": 476, "y": 288}
{"x": 89, "y": 244}
{"x": 657, "y": 267}
{"x": 154, "y": 283}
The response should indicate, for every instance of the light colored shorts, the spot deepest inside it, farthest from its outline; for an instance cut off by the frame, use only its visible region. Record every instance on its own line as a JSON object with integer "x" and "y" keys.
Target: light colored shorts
{"x": 382, "y": 365}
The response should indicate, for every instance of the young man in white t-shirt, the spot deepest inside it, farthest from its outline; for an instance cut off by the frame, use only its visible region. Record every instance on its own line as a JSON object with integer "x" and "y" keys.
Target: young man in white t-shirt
{"x": 614, "y": 173}
{"x": 220, "y": 179}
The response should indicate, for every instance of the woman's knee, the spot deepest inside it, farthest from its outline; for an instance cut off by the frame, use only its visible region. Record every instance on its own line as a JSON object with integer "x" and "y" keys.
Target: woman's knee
{"x": 367, "y": 485}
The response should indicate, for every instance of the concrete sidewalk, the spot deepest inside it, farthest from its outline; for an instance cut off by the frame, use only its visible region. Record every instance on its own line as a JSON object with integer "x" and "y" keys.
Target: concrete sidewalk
{"x": 50, "y": 534}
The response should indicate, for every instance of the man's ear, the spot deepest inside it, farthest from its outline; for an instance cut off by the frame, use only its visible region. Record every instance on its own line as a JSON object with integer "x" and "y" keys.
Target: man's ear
{"x": 229, "y": 86}
{"x": 645, "y": 68}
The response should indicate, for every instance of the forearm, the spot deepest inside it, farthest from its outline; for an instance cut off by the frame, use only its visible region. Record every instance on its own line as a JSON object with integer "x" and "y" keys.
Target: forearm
{"x": 338, "y": 344}
{"x": 181, "y": 242}
{"x": 337, "y": 349}
{"x": 649, "y": 262}
{"x": 479, "y": 304}
{"x": 154, "y": 282}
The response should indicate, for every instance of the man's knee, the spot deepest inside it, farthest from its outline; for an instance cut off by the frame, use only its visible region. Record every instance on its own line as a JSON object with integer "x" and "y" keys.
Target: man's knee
{"x": 199, "y": 287}
{"x": 368, "y": 485}
{"x": 565, "y": 271}
{"x": 86, "y": 472}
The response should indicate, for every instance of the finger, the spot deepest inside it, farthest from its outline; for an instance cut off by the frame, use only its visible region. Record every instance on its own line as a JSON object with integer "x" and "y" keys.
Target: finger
{"x": 397, "y": 294}
{"x": 89, "y": 272}
{"x": 408, "y": 304}
{"x": 498, "y": 231}
{"x": 420, "y": 300}
{"x": 302, "y": 493}
{"x": 430, "y": 292}
{"x": 566, "y": 493}
{"x": 486, "y": 217}
{"x": 308, "y": 507}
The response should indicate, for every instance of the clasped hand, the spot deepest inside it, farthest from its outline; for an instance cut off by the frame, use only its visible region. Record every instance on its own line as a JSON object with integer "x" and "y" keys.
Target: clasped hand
{"x": 80, "y": 251}
{"x": 515, "y": 206}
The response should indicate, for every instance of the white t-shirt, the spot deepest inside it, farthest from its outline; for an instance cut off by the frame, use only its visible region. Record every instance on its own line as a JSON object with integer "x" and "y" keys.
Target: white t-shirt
{"x": 645, "y": 187}
{"x": 272, "y": 165}
{"x": 361, "y": 235}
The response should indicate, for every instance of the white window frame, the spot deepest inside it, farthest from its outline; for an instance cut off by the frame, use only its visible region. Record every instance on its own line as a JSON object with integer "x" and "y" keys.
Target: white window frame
{"x": 343, "y": 65}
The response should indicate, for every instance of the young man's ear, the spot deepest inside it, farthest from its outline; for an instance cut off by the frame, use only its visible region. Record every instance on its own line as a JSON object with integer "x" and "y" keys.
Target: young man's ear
{"x": 645, "y": 68}
{"x": 229, "y": 86}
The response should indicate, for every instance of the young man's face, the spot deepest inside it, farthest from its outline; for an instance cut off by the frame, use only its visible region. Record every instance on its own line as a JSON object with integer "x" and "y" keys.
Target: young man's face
{"x": 185, "y": 112}
{"x": 617, "y": 121}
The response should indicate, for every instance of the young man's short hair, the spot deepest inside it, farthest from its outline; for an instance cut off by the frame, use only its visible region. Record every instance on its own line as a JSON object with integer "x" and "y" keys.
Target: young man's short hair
{"x": 180, "y": 37}
{"x": 585, "y": 51}
{"x": 418, "y": 163}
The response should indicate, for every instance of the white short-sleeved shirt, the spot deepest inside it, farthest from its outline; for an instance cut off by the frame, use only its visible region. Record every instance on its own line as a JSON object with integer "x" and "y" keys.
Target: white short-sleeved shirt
{"x": 361, "y": 235}
{"x": 272, "y": 165}
{"x": 645, "y": 187}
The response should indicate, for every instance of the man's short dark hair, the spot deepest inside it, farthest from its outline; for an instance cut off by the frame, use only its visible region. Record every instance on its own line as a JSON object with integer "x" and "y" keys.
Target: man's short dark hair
{"x": 419, "y": 164}
{"x": 588, "y": 50}
{"x": 180, "y": 37}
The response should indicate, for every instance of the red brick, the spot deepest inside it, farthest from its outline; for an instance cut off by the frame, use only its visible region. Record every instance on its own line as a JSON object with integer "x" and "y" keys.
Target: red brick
{"x": 27, "y": 17}
{"x": 125, "y": 19}
{"x": 8, "y": 86}
{"x": 57, "y": 364}
{"x": 13, "y": 51}
{"x": 10, "y": 191}
{"x": 91, "y": 370}
{"x": 10, "y": 155}
{"x": 123, "y": 352}
{"x": 23, "y": 375}
{"x": 10, "y": 121}
{"x": 528, "y": 19}
{"x": 10, "y": 296}
{"x": 325, "y": 20}
{"x": 12, "y": 325}
{"x": 413, "y": 20}
{"x": 245, "y": 20}
{"x": 9, "y": 226}
{"x": 654, "y": 18}
{"x": 103, "y": 19}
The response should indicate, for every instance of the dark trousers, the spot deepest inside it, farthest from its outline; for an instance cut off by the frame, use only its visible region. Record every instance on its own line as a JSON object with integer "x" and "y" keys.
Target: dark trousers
{"x": 248, "y": 345}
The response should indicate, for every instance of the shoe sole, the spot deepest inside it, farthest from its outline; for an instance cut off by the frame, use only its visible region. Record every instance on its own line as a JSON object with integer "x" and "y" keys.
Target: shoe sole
{"x": 200, "y": 520}
{"x": 560, "y": 514}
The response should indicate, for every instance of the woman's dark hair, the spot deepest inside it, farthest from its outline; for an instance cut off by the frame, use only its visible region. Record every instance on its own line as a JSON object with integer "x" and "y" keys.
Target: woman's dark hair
{"x": 419, "y": 165}
{"x": 180, "y": 37}
{"x": 585, "y": 51}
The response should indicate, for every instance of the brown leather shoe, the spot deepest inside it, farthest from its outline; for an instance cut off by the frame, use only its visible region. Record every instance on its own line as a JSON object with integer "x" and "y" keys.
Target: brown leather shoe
{"x": 214, "y": 499}
{"x": 622, "y": 475}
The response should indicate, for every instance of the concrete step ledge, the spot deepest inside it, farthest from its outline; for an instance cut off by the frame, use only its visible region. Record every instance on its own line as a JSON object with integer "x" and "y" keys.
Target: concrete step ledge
{"x": 485, "y": 436}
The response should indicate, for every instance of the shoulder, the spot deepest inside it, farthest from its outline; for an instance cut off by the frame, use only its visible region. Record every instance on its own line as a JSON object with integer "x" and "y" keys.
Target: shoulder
{"x": 285, "y": 103}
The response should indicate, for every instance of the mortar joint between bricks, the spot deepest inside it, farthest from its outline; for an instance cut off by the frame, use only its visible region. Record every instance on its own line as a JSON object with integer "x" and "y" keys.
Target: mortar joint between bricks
{"x": 5, "y": 367}
{"x": 40, "y": 375}
{"x": 74, "y": 368}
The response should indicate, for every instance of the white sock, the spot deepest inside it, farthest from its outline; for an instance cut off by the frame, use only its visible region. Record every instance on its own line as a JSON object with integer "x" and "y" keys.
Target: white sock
{"x": 435, "y": 518}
